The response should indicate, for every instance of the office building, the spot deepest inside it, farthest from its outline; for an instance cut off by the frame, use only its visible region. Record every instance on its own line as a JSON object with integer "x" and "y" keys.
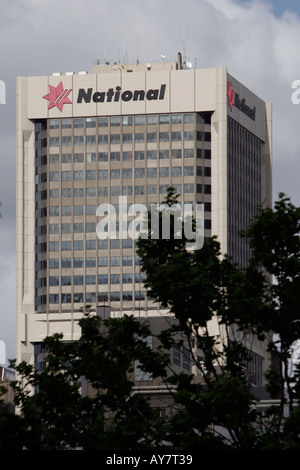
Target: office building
{"x": 86, "y": 139}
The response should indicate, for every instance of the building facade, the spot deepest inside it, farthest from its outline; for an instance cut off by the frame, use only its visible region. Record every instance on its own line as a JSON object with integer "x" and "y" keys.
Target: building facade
{"x": 84, "y": 140}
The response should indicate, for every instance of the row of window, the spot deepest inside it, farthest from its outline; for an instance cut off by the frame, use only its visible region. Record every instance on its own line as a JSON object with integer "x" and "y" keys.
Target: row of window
{"x": 89, "y": 175}
{"x": 139, "y": 190}
{"x": 103, "y": 261}
{"x": 138, "y": 120}
{"x": 92, "y": 297}
{"x": 104, "y": 139}
{"x": 91, "y": 279}
{"x": 78, "y": 245}
{"x": 92, "y": 157}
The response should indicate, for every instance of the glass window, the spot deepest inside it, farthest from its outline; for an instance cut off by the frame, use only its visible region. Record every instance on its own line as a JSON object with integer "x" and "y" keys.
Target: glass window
{"x": 139, "y": 155}
{"x": 66, "y": 245}
{"x": 90, "y": 279}
{"x": 176, "y": 136}
{"x": 139, "y": 172}
{"x": 90, "y": 262}
{"x": 115, "y": 190}
{"x": 151, "y": 137}
{"x": 127, "y": 243}
{"x": 66, "y": 192}
{"x": 91, "y": 192}
{"x": 127, "y": 172}
{"x": 53, "y": 263}
{"x": 102, "y": 139}
{"x": 102, "y": 121}
{"x": 188, "y": 118}
{"x": 151, "y": 189}
{"x": 188, "y": 153}
{"x": 66, "y": 210}
{"x": 54, "y": 193}
{"x": 90, "y": 297}
{"x": 176, "y": 118}
{"x": 78, "y": 263}
{"x": 54, "y": 211}
{"x": 90, "y": 244}
{"x": 103, "y": 191}
{"x": 164, "y": 119}
{"x": 78, "y": 157}
{"x": 164, "y": 171}
{"x": 115, "y": 139}
{"x": 151, "y": 154}
{"x": 65, "y": 280}
{"x": 53, "y": 298}
{"x": 127, "y": 120}
{"x": 139, "y": 120}
{"x": 65, "y": 228}
{"x": 54, "y": 142}
{"x": 163, "y": 154}
{"x": 139, "y": 295}
{"x": 102, "y": 244}
{"x": 127, "y": 190}
{"x": 78, "y": 280}
{"x": 78, "y": 298}
{"x": 66, "y": 175}
{"x": 188, "y": 188}
{"x": 115, "y": 260}
{"x": 114, "y": 156}
{"x": 66, "y": 263}
{"x": 54, "y": 281}
{"x": 115, "y": 296}
{"x": 163, "y": 188}
{"x": 66, "y": 123}
{"x": 114, "y": 244}
{"x": 188, "y": 171}
{"x": 139, "y": 137}
{"x": 151, "y": 172}
{"x": 127, "y": 156}
{"x": 176, "y": 153}
{"x": 78, "y": 175}
{"x": 54, "y": 176}
{"x": 102, "y": 261}
{"x": 127, "y": 278}
{"x": 127, "y": 138}
{"x": 54, "y": 123}
{"x": 90, "y": 140}
{"x": 90, "y": 122}
{"x": 90, "y": 174}
{"x": 66, "y": 140}
{"x": 115, "y": 278}
{"x": 114, "y": 174}
{"x": 115, "y": 121}
{"x": 54, "y": 246}
{"x": 90, "y": 227}
{"x": 65, "y": 298}
{"x": 102, "y": 174}
{"x": 90, "y": 157}
{"x": 139, "y": 190}
{"x": 188, "y": 135}
{"x": 78, "y": 140}
{"x": 90, "y": 209}
{"x": 164, "y": 137}
{"x": 78, "y": 123}
{"x": 78, "y": 210}
{"x": 54, "y": 158}
{"x": 102, "y": 278}
{"x": 78, "y": 227}
{"x": 176, "y": 171}
{"x": 151, "y": 119}
{"x": 78, "y": 245}
{"x": 127, "y": 295}
{"x": 127, "y": 260}
{"x": 103, "y": 157}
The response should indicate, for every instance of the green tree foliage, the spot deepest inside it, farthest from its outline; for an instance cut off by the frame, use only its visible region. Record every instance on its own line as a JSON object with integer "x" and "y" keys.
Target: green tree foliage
{"x": 219, "y": 309}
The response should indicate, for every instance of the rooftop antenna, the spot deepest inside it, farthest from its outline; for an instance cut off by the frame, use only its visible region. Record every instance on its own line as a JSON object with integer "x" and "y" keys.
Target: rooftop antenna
{"x": 183, "y": 46}
{"x": 137, "y": 51}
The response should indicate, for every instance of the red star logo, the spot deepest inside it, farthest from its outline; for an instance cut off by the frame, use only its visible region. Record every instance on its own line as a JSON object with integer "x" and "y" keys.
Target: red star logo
{"x": 230, "y": 94}
{"x": 57, "y": 96}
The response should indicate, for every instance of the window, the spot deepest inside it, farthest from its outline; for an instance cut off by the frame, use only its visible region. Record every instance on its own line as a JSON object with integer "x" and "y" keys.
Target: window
{"x": 53, "y": 298}
{"x": 54, "y": 141}
{"x": 91, "y": 192}
{"x": 78, "y": 298}
{"x": 115, "y": 121}
{"x": 78, "y": 245}
{"x": 115, "y": 278}
{"x": 78, "y": 140}
{"x": 65, "y": 228}
{"x": 151, "y": 154}
{"x": 188, "y": 118}
{"x": 78, "y": 263}
{"x": 176, "y": 118}
{"x": 164, "y": 172}
{"x": 151, "y": 137}
{"x": 90, "y": 279}
{"x": 54, "y": 176}
{"x": 90, "y": 262}
{"x": 127, "y": 120}
{"x": 176, "y": 153}
{"x": 66, "y": 245}
{"x": 54, "y": 123}
{"x": 188, "y": 188}
{"x": 127, "y": 190}
{"x": 66, "y": 263}
{"x": 90, "y": 244}
{"x": 54, "y": 281}
{"x": 127, "y": 295}
{"x": 139, "y": 155}
{"x": 90, "y": 297}
{"x": 66, "y": 192}
{"x": 54, "y": 263}
{"x": 176, "y": 356}
{"x": 127, "y": 138}
{"x": 127, "y": 156}
{"x": 102, "y": 139}
{"x": 115, "y": 191}
{"x": 115, "y": 174}
{"x": 78, "y": 210}
{"x": 139, "y": 120}
{"x": 139, "y": 190}
{"x": 115, "y": 296}
{"x": 78, "y": 123}
{"x": 127, "y": 172}
{"x": 186, "y": 359}
{"x": 102, "y": 121}
{"x": 102, "y": 261}
{"x": 139, "y": 137}
{"x": 78, "y": 227}
{"x": 188, "y": 171}
{"x": 188, "y": 135}
{"x": 66, "y": 280}
{"x": 90, "y": 209}
{"x": 102, "y": 279}
{"x": 151, "y": 189}
{"x": 164, "y": 119}
{"x": 66, "y": 210}
{"x": 151, "y": 119}
{"x": 91, "y": 174}
{"x": 65, "y": 298}
{"x": 54, "y": 158}
{"x": 103, "y": 191}
{"x": 151, "y": 172}
{"x": 103, "y": 157}
{"x": 66, "y": 123}
{"x": 114, "y": 156}
{"x": 102, "y": 174}
{"x": 164, "y": 137}
{"x": 176, "y": 171}
{"x": 127, "y": 260}
{"x": 163, "y": 154}
{"x": 54, "y": 246}
{"x": 102, "y": 244}
{"x": 66, "y": 140}
{"x": 53, "y": 228}
{"x": 90, "y": 122}
{"x": 188, "y": 153}
{"x": 139, "y": 172}
{"x": 90, "y": 227}
{"x": 127, "y": 278}
{"x": 115, "y": 139}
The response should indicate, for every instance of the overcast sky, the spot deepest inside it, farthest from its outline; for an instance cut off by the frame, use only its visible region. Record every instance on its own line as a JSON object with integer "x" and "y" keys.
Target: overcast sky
{"x": 258, "y": 42}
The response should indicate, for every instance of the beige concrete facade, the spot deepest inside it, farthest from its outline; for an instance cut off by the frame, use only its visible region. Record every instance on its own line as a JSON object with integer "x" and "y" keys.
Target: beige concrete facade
{"x": 192, "y": 114}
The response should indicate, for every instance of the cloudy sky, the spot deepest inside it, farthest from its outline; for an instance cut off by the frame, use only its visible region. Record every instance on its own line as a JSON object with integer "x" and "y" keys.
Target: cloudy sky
{"x": 257, "y": 40}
